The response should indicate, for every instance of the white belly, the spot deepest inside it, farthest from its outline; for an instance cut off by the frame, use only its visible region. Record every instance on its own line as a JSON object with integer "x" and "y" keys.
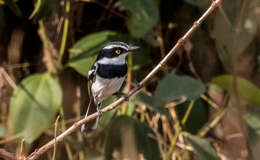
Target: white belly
{"x": 103, "y": 88}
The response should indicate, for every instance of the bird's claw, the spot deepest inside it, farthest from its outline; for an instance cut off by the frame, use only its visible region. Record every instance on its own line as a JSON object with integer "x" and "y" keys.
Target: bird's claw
{"x": 126, "y": 98}
{"x": 100, "y": 113}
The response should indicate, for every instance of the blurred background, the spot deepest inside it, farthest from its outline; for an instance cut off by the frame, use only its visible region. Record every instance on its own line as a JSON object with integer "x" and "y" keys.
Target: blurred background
{"x": 203, "y": 104}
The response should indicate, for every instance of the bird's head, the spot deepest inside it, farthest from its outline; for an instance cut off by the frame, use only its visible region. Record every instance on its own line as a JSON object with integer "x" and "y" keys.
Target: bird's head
{"x": 116, "y": 51}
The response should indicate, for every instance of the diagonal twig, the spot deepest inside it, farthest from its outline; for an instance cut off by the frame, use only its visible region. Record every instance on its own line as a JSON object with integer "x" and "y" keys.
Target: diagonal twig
{"x": 114, "y": 105}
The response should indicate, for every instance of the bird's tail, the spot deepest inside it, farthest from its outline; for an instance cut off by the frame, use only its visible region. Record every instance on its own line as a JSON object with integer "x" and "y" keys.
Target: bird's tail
{"x": 83, "y": 127}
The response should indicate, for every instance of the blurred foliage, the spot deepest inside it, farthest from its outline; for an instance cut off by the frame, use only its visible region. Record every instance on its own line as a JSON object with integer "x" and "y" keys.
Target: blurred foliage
{"x": 245, "y": 88}
{"x": 42, "y": 8}
{"x": 13, "y": 7}
{"x": 144, "y": 16}
{"x": 137, "y": 135}
{"x": 202, "y": 147}
{"x": 253, "y": 122}
{"x": 225, "y": 35}
{"x": 181, "y": 87}
{"x": 35, "y": 101}
{"x": 200, "y": 109}
{"x": 148, "y": 125}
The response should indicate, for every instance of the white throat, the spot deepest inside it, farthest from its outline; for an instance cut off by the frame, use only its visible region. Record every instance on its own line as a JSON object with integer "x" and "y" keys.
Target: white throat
{"x": 119, "y": 60}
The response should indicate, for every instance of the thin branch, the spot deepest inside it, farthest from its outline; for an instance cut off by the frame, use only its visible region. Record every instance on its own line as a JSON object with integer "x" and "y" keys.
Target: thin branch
{"x": 22, "y": 155}
{"x": 210, "y": 102}
{"x": 55, "y": 136}
{"x": 63, "y": 128}
{"x": 212, "y": 124}
{"x": 178, "y": 127}
{"x": 114, "y": 105}
{"x": 7, "y": 77}
{"x": 187, "y": 114}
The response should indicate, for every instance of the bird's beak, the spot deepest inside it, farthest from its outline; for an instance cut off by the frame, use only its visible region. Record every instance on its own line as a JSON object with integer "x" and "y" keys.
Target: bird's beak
{"x": 132, "y": 48}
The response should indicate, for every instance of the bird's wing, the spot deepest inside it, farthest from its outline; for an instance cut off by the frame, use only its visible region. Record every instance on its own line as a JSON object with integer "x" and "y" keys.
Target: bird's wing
{"x": 91, "y": 80}
{"x": 92, "y": 77}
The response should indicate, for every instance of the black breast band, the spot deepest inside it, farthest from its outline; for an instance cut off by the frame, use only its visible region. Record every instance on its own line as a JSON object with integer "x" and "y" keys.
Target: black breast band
{"x": 112, "y": 70}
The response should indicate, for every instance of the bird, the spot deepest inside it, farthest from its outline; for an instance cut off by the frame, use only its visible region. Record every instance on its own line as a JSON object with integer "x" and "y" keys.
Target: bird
{"x": 107, "y": 74}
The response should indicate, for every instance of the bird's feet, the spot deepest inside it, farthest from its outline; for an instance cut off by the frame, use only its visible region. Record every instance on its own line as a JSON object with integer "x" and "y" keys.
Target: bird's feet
{"x": 99, "y": 110}
{"x": 100, "y": 113}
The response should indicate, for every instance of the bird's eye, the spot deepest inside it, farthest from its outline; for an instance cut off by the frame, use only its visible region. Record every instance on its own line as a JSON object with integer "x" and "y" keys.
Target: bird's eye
{"x": 118, "y": 51}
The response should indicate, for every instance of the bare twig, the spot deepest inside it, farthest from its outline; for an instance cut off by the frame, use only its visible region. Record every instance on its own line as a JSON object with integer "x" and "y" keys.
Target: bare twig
{"x": 114, "y": 105}
{"x": 55, "y": 135}
{"x": 6, "y": 155}
{"x": 63, "y": 128}
{"x": 178, "y": 128}
{"x": 212, "y": 123}
{"x": 77, "y": 110}
{"x": 7, "y": 77}
{"x": 22, "y": 156}
{"x": 209, "y": 101}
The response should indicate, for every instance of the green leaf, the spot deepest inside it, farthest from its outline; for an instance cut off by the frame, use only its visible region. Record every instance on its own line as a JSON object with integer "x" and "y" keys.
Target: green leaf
{"x": 174, "y": 87}
{"x": 143, "y": 99}
{"x": 83, "y": 65}
{"x": 245, "y": 88}
{"x": 83, "y": 53}
{"x": 200, "y": 109}
{"x": 132, "y": 135}
{"x": 13, "y": 7}
{"x": 34, "y": 105}
{"x": 202, "y": 147}
{"x": 171, "y": 88}
{"x": 253, "y": 120}
{"x": 42, "y": 8}
{"x": 145, "y": 14}
{"x": 253, "y": 123}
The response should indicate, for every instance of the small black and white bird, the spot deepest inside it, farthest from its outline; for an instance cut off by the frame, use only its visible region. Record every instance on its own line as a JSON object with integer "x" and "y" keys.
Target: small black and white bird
{"x": 107, "y": 74}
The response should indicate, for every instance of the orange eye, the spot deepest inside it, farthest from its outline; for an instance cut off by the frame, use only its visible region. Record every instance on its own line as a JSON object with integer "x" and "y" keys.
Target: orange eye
{"x": 118, "y": 51}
